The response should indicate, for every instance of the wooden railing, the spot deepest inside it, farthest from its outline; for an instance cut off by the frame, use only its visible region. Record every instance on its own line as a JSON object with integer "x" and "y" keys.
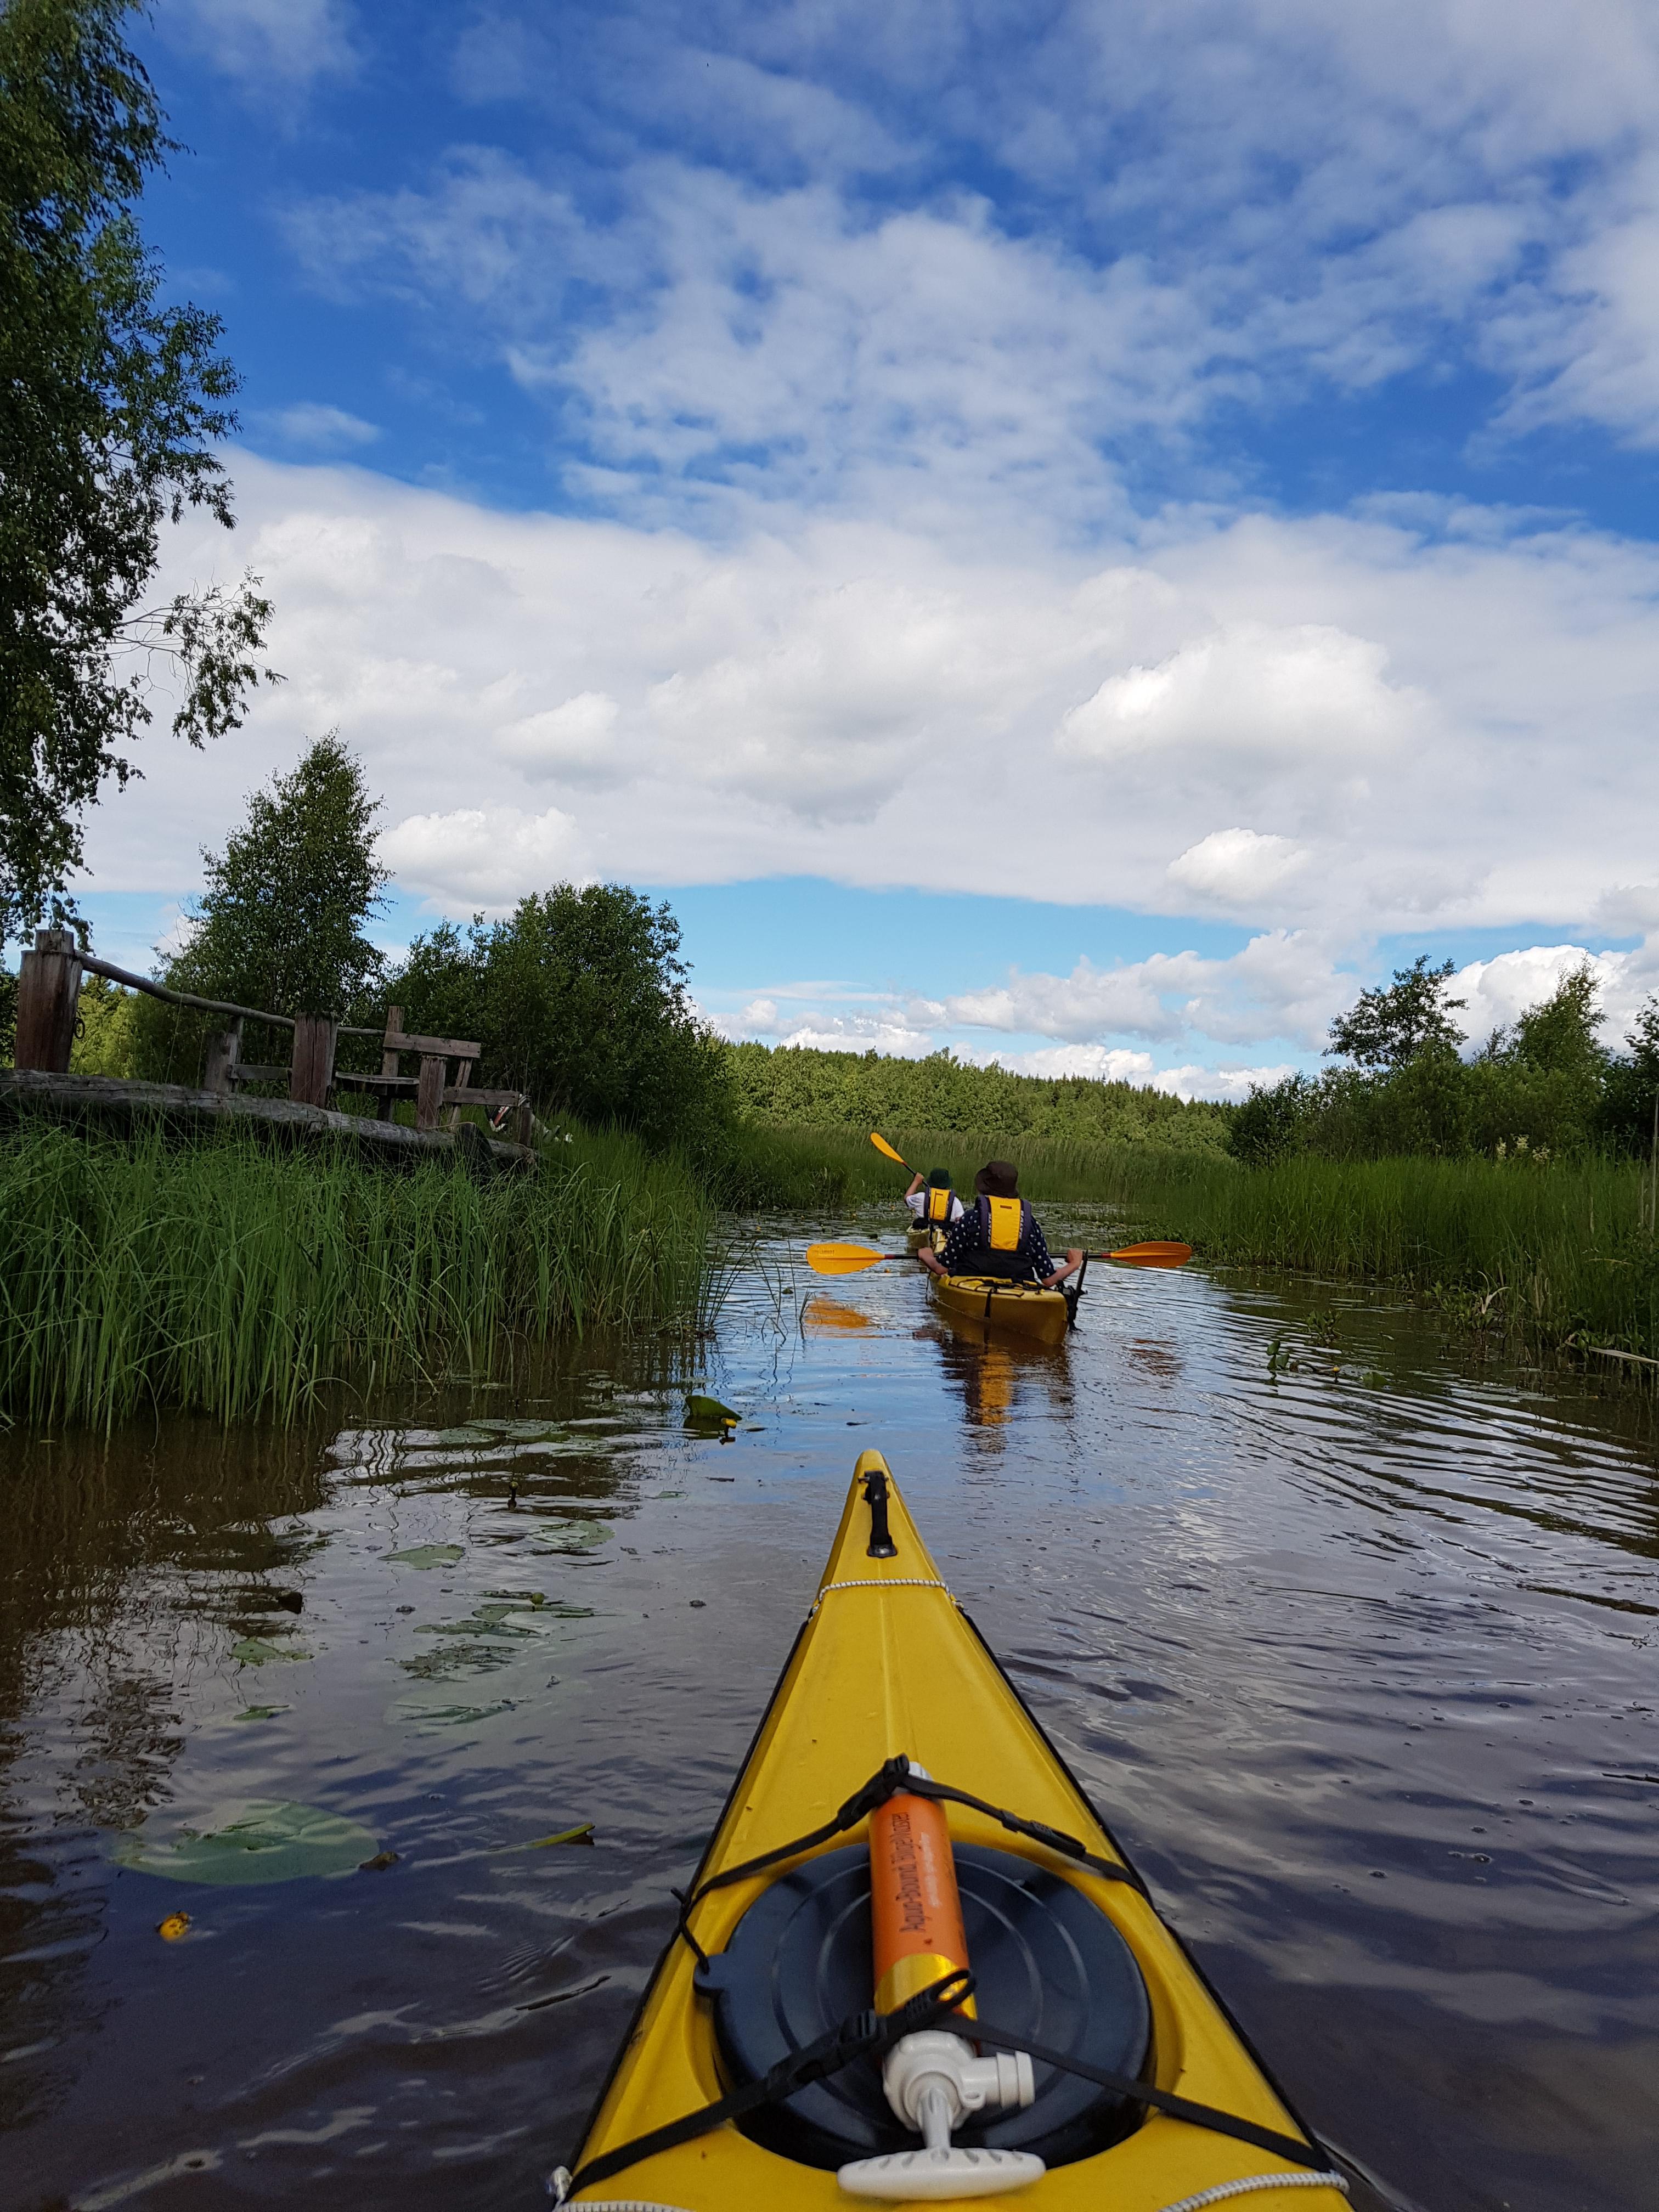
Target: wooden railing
{"x": 48, "y": 999}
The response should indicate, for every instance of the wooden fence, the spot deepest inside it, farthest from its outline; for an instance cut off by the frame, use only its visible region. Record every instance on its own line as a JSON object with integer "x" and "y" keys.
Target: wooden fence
{"x": 48, "y": 999}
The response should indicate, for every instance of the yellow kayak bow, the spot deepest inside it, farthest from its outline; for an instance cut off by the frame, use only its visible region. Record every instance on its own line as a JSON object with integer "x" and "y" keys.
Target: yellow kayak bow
{"x": 713, "y": 2104}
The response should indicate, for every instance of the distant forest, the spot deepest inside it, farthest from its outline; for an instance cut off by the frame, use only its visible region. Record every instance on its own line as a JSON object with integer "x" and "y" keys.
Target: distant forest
{"x": 792, "y": 1086}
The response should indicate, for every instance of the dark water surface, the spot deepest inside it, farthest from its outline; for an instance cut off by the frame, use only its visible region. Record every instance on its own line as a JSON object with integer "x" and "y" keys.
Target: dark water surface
{"x": 1363, "y": 1670}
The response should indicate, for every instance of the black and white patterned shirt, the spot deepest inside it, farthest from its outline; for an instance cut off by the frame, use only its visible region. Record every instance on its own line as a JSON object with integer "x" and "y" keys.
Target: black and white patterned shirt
{"x": 963, "y": 1244}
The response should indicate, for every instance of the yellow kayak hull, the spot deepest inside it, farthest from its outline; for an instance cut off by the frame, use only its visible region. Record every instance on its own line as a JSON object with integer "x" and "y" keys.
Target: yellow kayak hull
{"x": 888, "y": 1663}
{"x": 1021, "y": 1309}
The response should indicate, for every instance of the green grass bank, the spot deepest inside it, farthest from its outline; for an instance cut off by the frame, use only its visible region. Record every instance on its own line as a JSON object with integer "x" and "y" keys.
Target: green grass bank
{"x": 235, "y": 1279}
{"x": 1543, "y": 1256}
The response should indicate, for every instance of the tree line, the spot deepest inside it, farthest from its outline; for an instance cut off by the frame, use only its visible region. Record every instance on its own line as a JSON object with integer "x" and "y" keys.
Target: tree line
{"x": 1546, "y": 1086}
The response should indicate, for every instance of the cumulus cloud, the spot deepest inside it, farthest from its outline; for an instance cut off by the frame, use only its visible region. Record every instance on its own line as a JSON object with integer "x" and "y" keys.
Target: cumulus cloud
{"x": 482, "y": 856}
{"x": 710, "y": 712}
{"x": 1498, "y": 989}
{"x": 1238, "y": 867}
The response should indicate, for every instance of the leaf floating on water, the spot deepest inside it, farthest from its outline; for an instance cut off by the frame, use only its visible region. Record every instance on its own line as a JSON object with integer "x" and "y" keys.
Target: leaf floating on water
{"x": 409, "y": 1712}
{"x": 573, "y": 1535}
{"x": 254, "y": 1651}
{"x": 263, "y": 1840}
{"x": 455, "y": 1662}
{"x": 379, "y": 1863}
{"x": 261, "y": 1712}
{"x": 424, "y": 1556}
{"x": 175, "y": 1925}
{"x": 703, "y": 1413}
{"x": 581, "y": 1834}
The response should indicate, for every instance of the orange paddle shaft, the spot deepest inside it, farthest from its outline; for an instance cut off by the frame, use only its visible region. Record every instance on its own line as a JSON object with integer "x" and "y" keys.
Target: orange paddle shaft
{"x": 915, "y": 1909}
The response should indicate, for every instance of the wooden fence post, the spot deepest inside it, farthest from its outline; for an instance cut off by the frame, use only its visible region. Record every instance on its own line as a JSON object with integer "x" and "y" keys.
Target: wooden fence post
{"x": 429, "y": 1097}
{"x": 48, "y": 996}
{"x": 312, "y": 1074}
{"x": 224, "y": 1049}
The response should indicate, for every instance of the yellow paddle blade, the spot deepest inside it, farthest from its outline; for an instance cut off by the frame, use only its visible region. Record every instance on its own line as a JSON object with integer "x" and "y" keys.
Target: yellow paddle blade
{"x": 887, "y": 1152}
{"x": 842, "y": 1259}
{"x": 1155, "y": 1255}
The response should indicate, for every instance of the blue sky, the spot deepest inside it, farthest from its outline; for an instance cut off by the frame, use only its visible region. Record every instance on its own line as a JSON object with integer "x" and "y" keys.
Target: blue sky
{"x": 1083, "y": 533}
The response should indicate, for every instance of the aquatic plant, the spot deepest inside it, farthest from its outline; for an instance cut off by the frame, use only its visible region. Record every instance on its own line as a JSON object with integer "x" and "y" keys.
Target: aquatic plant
{"x": 1563, "y": 1255}
{"x": 235, "y": 1279}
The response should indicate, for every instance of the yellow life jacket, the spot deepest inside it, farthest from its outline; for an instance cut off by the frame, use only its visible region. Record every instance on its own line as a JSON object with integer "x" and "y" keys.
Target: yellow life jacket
{"x": 1006, "y": 1224}
{"x": 938, "y": 1203}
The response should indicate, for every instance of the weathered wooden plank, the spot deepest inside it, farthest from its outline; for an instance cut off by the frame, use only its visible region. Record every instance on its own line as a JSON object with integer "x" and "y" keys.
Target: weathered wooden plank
{"x": 250, "y": 1070}
{"x": 443, "y": 1047}
{"x": 179, "y": 1106}
{"x": 148, "y": 985}
{"x": 429, "y": 1096}
{"x": 224, "y": 1051}
{"x": 48, "y": 997}
{"x": 312, "y": 1075}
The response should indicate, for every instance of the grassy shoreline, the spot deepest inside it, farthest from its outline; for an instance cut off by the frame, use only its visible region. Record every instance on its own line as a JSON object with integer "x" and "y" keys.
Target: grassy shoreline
{"x": 1552, "y": 1259}
{"x": 232, "y": 1279}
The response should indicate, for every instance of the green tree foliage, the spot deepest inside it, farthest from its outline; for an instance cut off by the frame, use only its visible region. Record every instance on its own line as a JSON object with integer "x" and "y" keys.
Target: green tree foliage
{"x": 579, "y": 998}
{"x": 1630, "y": 1098}
{"x": 1389, "y": 1027}
{"x": 793, "y": 1087}
{"x": 1544, "y": 1088}
{"x": 281, "y": 924}
{"x": 112, "y": 405}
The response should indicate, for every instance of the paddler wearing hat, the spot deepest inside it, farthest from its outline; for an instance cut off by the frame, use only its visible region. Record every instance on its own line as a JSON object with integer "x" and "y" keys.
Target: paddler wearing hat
{"x": 999, "y": 1235}
{"x": 933, "y": 1203}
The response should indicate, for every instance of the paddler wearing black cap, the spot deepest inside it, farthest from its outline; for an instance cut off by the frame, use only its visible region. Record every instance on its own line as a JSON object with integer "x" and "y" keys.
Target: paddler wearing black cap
{"x": 1000, "y": 1236}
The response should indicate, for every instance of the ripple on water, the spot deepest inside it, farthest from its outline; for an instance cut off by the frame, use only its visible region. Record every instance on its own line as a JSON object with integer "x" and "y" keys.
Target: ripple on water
{"x": 1356, "y": 1655}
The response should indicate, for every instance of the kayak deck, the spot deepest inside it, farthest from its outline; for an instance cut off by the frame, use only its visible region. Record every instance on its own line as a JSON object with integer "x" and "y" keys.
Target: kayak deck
{"x": 888, "y": 1663}
{"x": 1024, "y": 1308}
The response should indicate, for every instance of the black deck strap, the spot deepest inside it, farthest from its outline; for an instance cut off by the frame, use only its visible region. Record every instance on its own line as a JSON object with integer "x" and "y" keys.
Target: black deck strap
{"x": 1162, "y": 2100}
{"x": 1038, "y": 1831}
{"x": 872, "y": 2032}
{"x": 894, "y": 1776}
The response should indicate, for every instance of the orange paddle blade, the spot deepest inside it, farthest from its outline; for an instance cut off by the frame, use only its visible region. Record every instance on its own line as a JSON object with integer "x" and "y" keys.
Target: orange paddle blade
{"x": 844, "y": 1259}
{"x": 886, "y": 1150}
{"x": 1155, "y": 1255}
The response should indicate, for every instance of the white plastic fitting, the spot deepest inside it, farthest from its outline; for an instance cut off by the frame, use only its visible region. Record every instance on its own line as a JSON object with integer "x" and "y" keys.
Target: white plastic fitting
{"x": 933, "y": 2080}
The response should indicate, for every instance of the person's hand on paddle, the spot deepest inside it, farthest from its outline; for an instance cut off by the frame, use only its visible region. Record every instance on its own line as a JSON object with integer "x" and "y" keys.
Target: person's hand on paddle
{"x": 1073, "y": 1262}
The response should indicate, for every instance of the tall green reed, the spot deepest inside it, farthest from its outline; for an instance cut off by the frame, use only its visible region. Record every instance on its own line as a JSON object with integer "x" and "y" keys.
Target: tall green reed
{"x": 236, "y": 1279}
{"x": 1546, "y": 1254}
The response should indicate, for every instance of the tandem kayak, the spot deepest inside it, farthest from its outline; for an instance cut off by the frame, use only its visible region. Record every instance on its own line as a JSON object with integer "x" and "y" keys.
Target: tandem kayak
{"x": 914, "y": 1964}
{"x": 1025, "y": 1309}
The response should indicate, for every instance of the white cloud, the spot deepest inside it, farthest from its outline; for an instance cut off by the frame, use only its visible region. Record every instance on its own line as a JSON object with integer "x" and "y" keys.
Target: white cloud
{"x": 291, "y": 41}
{"x": 1238, "y": 867}
{"x": 485, "y": 856}
{"x": 1496, "y": 990}
{"x": 541, "y": 695}
{"x": 315, "y": 427}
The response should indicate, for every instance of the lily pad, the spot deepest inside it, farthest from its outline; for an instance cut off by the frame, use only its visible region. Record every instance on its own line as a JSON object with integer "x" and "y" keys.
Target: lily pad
{"x": 453, "y": 1661}
{"x": 254, "y": 1651}
{"x": 703, "y": 1413}
{"x": 413, "y": 1713}
{"x": 260, "y": 1712}
{"x": 262, "y": 1840}
{"x": 573, "y": 1535}
{"x": 424, "y": 1556}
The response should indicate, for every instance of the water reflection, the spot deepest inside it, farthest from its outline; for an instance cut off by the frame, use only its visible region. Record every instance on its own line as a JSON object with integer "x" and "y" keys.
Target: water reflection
{"x": 1361, "y": 1665}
